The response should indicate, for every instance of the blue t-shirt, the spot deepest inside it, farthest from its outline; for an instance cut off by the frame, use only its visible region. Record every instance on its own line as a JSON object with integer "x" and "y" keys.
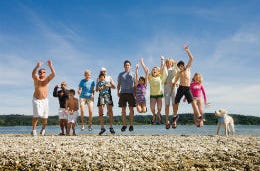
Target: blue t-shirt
{"x": 126, "y": 81}
{"x": 87, "y": 87}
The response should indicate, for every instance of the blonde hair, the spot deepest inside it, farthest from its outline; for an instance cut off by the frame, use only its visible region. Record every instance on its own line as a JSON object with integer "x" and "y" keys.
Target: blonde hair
{"x": 87, "y": 71}
{"x": 169, "y": 59}
{"x": 197, "y": 75}
{"x": 159, "y": 71}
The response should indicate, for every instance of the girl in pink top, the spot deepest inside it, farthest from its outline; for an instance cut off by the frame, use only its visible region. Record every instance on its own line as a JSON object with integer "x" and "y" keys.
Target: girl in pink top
{"x": 197, "y": 91}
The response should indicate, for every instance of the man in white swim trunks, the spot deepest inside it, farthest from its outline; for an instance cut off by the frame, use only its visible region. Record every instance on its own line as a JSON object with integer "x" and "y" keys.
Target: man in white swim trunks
{"x": 40, "y": 100}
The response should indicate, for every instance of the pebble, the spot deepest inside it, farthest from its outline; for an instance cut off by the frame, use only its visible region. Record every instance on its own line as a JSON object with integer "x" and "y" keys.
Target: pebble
{"x": 128, "y": 152}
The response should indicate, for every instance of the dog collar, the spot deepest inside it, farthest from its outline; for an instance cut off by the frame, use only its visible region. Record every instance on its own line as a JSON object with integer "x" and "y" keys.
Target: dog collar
{"x": 221, "y": 119}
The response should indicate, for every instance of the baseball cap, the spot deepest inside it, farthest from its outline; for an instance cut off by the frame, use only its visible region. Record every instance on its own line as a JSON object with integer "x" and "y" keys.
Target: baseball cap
{"x": 103, "y": 69}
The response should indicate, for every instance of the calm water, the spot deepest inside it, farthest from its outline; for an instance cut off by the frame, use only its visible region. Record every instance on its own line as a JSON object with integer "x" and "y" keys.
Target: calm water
{"x": 142, "y": 130}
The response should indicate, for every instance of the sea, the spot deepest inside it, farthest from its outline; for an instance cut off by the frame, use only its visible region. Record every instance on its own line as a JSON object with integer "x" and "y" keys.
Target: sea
{"x": 141, "y": 130}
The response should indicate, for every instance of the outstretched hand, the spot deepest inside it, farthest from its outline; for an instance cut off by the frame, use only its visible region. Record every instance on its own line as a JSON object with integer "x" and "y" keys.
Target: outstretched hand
{"x": 186, "y": 47}
{"x": 39, "y": 64}
{"x": 162, "y": 57}
{"x": 49, "y": 63}
{"x": 141, "y": 60}
{"x": 137, "y": 66}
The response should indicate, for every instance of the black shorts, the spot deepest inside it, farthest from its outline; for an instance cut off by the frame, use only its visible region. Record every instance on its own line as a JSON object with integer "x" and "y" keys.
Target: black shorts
{"x": 183, "y": 91}
{"x": 126, "y": 97}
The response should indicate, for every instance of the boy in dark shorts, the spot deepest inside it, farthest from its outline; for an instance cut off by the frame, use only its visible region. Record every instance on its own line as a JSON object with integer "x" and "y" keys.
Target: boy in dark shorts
{"x": 184, "y": 90}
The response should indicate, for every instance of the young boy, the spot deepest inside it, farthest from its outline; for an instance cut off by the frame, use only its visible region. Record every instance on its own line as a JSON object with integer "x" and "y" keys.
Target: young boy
{"x": 184, "y": 90}
{"x": 104, "y": 98}
{"x": 72, "y": 107}
{"x": 62, "y": 95}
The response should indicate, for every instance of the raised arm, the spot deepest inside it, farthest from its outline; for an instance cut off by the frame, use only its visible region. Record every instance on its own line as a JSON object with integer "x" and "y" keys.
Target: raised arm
{"x": 52, "y": 75}
{"x": 34, "y": 72}
{"x": 186, "y": 48}
{"x": 136, "y": 74}
{"x": 162, "y": 64}
{"x": 145, "y": 68}
{"x": 55, "y": 91}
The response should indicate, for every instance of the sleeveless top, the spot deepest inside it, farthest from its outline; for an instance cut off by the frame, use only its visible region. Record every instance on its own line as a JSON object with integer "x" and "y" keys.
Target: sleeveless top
{"x": 140, "y": 93}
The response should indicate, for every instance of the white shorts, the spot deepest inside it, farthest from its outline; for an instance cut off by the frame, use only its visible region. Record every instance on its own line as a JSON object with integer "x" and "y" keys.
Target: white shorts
{"x": 62, "y": 114}
{"x": 73, "y": 118}
{"x": 40, "y": 108}
{"x": 169, "y": 94}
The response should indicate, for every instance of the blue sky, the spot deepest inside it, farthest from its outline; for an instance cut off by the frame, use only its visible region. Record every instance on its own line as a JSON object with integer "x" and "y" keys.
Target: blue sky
{"x": 223, "y": 36}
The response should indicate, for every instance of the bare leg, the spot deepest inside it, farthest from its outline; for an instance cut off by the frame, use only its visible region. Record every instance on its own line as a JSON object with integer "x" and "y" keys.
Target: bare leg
{"x": 139, "y": 108}
{"x": 159, "y": 108}
{"x": 73, "y": 128}
{"x": 152, "y": 107}
{"x": 131, "y": 116}
{"x": 167, "y": 113}
{"x": 68, "y": 128}
{"x": 65, "y": 123}
{"x": 200, "y": 107}
{"x": 61, "y": 126}
{"x": 144, "y": 108}
{"x": 175, "y": 109}
{"x": 90, "y": 110}
{"x": 82, "y": 111}
{"x": 44, "y": 123}
{"x": 124, "y": 116}
{"x": 100, "y": 115}
{"x": 34, "y": 123}
{"x": 110, "y": 111}
{"x": 175, "y": 115}
{"x": 198, "y": 122}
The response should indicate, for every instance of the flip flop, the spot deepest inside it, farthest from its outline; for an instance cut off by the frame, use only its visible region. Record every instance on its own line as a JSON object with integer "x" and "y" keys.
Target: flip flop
{"x": 174, "y": 121}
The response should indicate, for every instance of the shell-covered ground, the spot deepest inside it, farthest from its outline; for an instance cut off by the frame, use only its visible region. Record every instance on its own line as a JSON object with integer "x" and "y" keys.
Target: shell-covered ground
{"x": 129, "y": 152}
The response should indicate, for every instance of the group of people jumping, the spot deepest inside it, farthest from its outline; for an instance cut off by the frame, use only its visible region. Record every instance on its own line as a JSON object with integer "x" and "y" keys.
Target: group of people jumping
{"x": 170, "y": 81}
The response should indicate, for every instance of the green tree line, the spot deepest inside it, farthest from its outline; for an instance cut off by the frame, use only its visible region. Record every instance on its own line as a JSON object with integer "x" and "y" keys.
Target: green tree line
{"x": 185, "y": 119}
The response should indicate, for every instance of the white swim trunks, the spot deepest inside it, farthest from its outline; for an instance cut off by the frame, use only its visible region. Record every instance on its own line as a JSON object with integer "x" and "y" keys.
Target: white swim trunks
{"x": 40, "y": 108}
{"x": 62, "y": 114}
{"x": 73, "y": 118}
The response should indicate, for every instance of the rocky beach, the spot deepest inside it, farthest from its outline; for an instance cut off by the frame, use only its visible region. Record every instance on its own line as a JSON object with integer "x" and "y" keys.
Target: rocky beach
{"x": 129, "y": 152}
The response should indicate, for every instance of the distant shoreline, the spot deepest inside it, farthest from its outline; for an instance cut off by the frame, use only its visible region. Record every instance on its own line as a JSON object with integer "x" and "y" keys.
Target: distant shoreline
{"x": 185, "y": 119}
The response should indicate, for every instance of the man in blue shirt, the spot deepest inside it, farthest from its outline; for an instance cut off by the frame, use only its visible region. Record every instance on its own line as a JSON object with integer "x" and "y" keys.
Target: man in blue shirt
{"x": 125, "y": 92}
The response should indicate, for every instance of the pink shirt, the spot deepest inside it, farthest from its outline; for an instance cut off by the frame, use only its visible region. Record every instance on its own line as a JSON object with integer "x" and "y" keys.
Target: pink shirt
{"x": 196, "y": 89}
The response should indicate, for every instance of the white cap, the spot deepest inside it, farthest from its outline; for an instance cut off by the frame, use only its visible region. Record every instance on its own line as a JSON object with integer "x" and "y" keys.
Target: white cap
{"x": 103, "y": 69}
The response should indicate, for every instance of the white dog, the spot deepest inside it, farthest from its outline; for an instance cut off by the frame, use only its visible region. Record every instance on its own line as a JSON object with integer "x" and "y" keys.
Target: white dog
{"x": 225, "y": 120}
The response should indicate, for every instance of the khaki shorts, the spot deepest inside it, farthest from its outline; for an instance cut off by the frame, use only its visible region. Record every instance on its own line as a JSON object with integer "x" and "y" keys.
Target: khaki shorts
{"x": 40, "y": 108}
{"x": 84, "y": 101}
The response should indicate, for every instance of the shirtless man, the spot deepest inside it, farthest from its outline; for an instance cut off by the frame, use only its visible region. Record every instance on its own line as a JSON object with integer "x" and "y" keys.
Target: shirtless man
{"x": 40, "y": 100}
{"x": 184, "y": 90}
